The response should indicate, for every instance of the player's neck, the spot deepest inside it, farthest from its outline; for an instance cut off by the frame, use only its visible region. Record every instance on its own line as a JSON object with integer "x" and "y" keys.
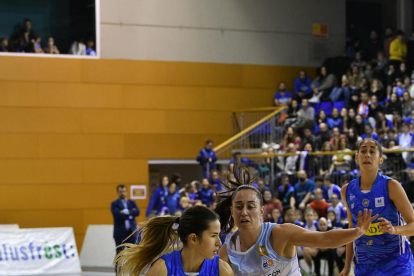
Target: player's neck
{"x": 248, "y": 237}
{"x": 191, "y": 261}
{"x": 368, "y": 179}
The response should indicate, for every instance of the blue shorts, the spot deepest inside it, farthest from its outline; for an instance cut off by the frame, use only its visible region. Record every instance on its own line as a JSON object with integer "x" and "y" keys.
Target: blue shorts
{"x": 401, "y": 266}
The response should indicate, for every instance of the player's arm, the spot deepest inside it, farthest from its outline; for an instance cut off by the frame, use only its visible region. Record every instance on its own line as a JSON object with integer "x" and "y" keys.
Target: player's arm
{"x": 223, "y": 253}
{"x": 225, "y": 269}
{"x": 158, "y": 269}
{"x": 400, "y": 199}
{"x": 349, "y": 253}
{"x": 298, "y": 236}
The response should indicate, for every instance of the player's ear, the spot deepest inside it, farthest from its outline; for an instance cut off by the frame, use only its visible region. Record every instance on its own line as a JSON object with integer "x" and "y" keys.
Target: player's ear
{"x": 382, "y": 158}
{"x": 192, "y": 238}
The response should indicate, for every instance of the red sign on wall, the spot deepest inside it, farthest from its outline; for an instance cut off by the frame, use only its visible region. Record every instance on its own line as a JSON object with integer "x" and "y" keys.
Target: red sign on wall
{"x": 320, "y": 30}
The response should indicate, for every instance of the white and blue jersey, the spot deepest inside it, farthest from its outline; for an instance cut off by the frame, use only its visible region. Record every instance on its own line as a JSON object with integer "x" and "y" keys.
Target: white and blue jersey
{"x": 260, "y": 259}
{"x": 378, "y": 253}
{"x": 175, "y": 266}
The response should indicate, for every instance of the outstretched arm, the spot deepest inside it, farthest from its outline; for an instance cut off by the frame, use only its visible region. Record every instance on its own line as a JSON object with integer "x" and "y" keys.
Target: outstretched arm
{"x": 349, "y": 253}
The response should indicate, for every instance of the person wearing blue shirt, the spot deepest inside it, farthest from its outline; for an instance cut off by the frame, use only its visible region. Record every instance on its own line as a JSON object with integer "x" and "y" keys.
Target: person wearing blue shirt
{"x": 319, "y": 181}
{"x": 335, "y": 120}
{"x": 332, "y": 188}
{"x": 158, "y": 198}
{"x": 303, "y": 191}
{"x": 205, "y": 193}
{"x": 215, "y": 181}
{"x": 89, "y": 48}
{"x": 338, "y": 209}
{"x": 207, "y": 158}
{"x": 173, "y": 198}
{"x": 369, "y": 133}
{"x": 283, "y": 97}
{"x": 302, "y": 86}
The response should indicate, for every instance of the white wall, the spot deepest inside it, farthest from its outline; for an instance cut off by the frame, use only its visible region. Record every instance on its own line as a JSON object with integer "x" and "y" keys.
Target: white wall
{"x": 271, "y": 32}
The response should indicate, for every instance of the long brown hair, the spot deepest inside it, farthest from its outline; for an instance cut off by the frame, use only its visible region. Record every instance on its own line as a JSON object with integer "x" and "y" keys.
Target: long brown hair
{"x": 239, "y": 180}
{"x": 159, "y": 236}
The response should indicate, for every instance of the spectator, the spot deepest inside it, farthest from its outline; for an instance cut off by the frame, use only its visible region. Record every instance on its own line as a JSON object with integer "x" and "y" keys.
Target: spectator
{"x": 327, "y": 253}
{"x": 292, "y": 113}
{"x": 326, "y": 159}
{"x": 377, "y": 89}
{"x": 398, "y": 50}
{"x": 319, "y": 185}
{"x": 374, "y": 45}
{"x": 381, "y": 136}
{"x": 332, "y": 188}
{"x": 51, "y": 48}
{"x": 369, "y": 72}
{"x": 325, "y": 134}
{"x": 4, "y": 44}
{"x": 345, "y": 119}
{"x": 290, "y": 136}
{"x": 173, "y": 198}
{"x": 37, "y": 47}
{"x": 176, "y": 178}
{"x": 335, "y": 137}
{"x": 290, "y": 161}
{"x": 27, "y": 35}
{"x": 374, "y": 108}
{"x": 319, "y": 204}
{"x": 124, "y": 212}
{"x": 307, "y": 162}
{"x": 322, "y": 86}
{"x": 397, "y": 120}
{"x": 283, "y": 97}
{"x": 353, "y": 49}
{"x": 406, "y": 140}
{"x": 341, "y": 92}
{"x": 407, "y": 105}
{"x": 410, "y": 120}
{"x": 89, "y": 47}
{"x": 207, "y": 158}
{"x": 341, "y": 162}
{"x": 409, "y": 185}
{"x": 398, "y": 88}
{"x": 269, "y": 204}
{"x": 369, "y": 133}
{"x": 205, "y": 194}
{"x": 382, "y": 62}
{"x": 394, "y": 162}
{"x": 286, "y": 191}
{"x": 290, "y": 217}
{"x": 389, "y": 37}
{"x": 335, "y": 120}
{"x": 310, "y": 224}
{"x": 191, "y": 193}
{"x": 306, "y": 116}
{"x": 355, "y": 77}
{"x": 303, "y": 191}
{"x": 393, "y": 105}
{"x": 352, "y": 138}
{"x": 320, "y": 118}
{"x": 359, "y": 125}
{"x": 381, "y": 122}
{"x": 337, "y": 208}
{"x": 308, "y": 137}
{"x": 351, "y": 114}
{"x": 302, "y": 86}
{"x": 215, "y": 181}
{"x": 158, "y": 198}
{"x": 363, "y": 107}
{"x": 359, "y": 62}
{"x": 78, "y": 48}
{"x": 390, "y": 79}
{"x": 276, "y": 216}
{"x": 261, "y": 186}
{"x": 402, "y": 72}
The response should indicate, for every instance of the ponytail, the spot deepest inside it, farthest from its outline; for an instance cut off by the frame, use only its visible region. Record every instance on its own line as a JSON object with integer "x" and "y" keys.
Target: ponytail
{"x": 158, "y": 236}
{"x": 237, "y": 180}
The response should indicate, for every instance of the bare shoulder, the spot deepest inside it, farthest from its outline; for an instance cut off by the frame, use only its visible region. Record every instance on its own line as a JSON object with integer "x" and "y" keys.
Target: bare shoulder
{"x": 225, "y": 269}
{"x": 284, "y": 230}
{"x": 223, "y": 253}
{"x": 158, "y": 269}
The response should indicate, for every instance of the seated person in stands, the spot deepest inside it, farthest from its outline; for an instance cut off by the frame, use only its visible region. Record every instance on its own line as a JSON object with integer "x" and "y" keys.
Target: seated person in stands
{"x": 4, "y": 44}
{"x": 374, "y": 108}
{"x": 406, "y": 140}
{"x": 51, "y": 48}
{"x": 394, "y": 162}
{"x": 407, "y": 105}
{"x": 269, "y": 204}
{"x": 286, "y": 191}
{"x": 290, "y": 161}
{"x": 276, "y": 216}
{"x": 319, "y": 185}
{"x": 290, "y": 136}
{"x": 341, "y": 161}
{"x": 322, "y": 86}
{"x": 363, "y": 107}
{"x": 205, "y": 194}
{"x": 369, "y": 133}
{"x": 302, "y": 86}
{"x": 381, "y": 122}
{"x": 377, "y": 89}
{"x": 336, "y": 135}
{"x": 393, "y": 105}
{"x": 308, "y": 137}
{"x": 89, "y": 47}
{"x": 409, "y": 185}
{"x": 290, "y": 217}
{"x": 306, "y": 116}
{"x": 352, "y": 139}
{"x": 311, "y": 223}
{"x": 215, "y": 181}
{"x": 307, "y": 162}
{"x": 319, "y": 204}
{"x": 37, "y": 47}
{"x": 173, "y": 198}
{"x": 303, "y": 191}
{"x": 283, "y": 97}
{"x": 325, "y": 134}
{"x": 337, "y": 207}
{"x": 292, "y": 113}
{"x": 398, "y": 88}
{"x": 326, "y": 159}
{"x": 410, "y": 120}
{"x": 78, "y": 47}
{"x": 335, "y": 120}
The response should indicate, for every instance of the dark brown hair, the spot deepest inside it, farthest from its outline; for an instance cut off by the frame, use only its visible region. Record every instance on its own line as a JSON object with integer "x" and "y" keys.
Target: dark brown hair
{"x": 239, "y": 180}
{"x": 360, "y": 143}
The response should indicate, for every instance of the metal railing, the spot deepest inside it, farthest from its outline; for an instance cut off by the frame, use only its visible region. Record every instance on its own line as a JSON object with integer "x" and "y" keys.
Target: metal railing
{"x": 251, "y": 128}
{"x": 340, "y": 164}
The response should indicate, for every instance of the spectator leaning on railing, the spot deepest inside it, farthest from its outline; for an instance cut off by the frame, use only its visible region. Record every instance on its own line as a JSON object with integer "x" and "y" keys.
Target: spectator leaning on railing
{"x": 207, "y": 158}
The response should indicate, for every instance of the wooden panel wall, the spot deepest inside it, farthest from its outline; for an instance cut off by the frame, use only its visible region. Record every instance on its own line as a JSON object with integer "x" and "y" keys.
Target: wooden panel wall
{"x": 72, "y": 130}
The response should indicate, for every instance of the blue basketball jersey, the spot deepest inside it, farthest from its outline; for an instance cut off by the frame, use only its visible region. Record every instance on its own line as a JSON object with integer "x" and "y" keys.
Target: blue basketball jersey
{"x": 175, "y": 266}
{"x": 375, "y": 247}
{"x": 260, "y": 259}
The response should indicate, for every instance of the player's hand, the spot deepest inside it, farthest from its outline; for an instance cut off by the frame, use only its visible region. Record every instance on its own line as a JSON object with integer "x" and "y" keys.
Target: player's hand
{"x": 345, "y": 271}
{"x": 364, "y": 220}
{"x": 386, "y": 226}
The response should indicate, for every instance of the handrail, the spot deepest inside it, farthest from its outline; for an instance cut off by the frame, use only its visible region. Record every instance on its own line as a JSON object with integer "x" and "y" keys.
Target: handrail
{"x": 267, "y": 155}
{"x": 259, "y": 109}
{"x": 248, "y": 129}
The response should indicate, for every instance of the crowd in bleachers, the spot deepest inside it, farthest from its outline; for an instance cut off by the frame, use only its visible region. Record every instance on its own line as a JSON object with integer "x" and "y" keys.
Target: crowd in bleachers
{"x": 26, "y": 40}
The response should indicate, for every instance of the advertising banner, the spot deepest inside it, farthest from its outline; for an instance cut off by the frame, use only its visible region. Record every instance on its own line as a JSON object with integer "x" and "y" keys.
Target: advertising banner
{"x": 38, "y": 251}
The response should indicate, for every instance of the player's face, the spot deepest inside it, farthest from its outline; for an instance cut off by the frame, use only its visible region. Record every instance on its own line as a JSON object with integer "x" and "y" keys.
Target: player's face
{"x": 246, "y": 210}
{"x": 210, "y": 241}
{"x": 368, "y": 156}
